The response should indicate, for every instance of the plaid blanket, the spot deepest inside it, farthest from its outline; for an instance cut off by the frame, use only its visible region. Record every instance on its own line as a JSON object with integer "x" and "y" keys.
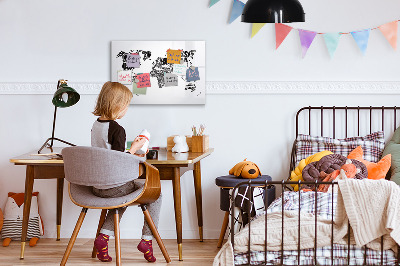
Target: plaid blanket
{"x": 323, "y": 205}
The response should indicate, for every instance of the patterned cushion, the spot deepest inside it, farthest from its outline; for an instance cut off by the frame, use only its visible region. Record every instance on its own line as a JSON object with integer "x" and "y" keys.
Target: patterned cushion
{"x": 372, "y": 144}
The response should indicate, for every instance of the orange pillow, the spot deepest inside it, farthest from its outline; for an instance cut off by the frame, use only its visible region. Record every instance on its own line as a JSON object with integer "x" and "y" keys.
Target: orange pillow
{"x": 375, "y": 170}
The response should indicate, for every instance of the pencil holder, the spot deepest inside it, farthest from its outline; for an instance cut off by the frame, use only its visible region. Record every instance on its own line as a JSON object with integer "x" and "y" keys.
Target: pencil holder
{"x": 200, "y": 143}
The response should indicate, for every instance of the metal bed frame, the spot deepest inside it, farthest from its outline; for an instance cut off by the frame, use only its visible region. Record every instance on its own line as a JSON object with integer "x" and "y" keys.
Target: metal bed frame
{"x": 283, "y": 184}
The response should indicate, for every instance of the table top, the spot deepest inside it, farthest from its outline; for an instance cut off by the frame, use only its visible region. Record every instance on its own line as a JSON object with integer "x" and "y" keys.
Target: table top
{"x": 164, "y": 157}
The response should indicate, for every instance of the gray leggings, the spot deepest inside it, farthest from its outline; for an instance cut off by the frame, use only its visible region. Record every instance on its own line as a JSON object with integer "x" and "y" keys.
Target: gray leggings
{"x": 154, "y": 208}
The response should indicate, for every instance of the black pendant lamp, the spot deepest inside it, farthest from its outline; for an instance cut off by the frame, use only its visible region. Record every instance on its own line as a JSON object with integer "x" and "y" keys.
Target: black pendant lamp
{"x": 273, "y": 11}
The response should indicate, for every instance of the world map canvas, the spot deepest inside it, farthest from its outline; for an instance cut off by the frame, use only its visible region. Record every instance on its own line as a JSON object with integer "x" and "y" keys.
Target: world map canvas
{"x": 160, "y": 72}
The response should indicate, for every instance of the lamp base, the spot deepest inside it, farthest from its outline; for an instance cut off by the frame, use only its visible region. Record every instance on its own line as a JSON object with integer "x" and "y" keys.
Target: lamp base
{"x": 50, "y": 146}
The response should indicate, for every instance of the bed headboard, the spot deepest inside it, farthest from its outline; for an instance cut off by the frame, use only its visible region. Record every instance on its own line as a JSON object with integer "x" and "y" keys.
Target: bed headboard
{"x": 344, "y": 121}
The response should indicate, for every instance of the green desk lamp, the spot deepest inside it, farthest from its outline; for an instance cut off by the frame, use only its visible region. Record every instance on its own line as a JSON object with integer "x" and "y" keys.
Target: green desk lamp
{"x": 65, "y": 96}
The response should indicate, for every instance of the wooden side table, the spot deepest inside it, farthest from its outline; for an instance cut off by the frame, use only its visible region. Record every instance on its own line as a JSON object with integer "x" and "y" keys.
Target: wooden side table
{"x": 226, "y": 183}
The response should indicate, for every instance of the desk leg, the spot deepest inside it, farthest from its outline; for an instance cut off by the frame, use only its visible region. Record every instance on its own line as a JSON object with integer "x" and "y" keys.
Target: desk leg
{"x": 27, "y": 206}
{"x": 176, "y": 182}
{"x": 60, "y": 190}
{"x": 199, "y": 204}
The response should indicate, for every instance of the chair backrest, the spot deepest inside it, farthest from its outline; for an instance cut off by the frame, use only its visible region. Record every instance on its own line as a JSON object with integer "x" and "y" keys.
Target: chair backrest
{"x": 92, "y": 166}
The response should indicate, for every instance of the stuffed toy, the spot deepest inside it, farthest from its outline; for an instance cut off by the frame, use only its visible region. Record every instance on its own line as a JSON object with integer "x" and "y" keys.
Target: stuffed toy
{"x": 180, "y": 144}
{"x": 13, "y": 215}
{"x": 375, "y": 170}
{"x": 245, "y": 169}
{"x": 296, "y": 174}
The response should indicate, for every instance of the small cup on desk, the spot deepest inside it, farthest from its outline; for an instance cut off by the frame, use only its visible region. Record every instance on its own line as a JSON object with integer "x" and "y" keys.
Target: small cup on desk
{"x": 152, "y": 155}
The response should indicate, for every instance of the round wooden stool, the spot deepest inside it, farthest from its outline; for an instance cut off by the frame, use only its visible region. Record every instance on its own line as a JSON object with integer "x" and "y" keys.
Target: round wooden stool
{"x": 228, "y": 182}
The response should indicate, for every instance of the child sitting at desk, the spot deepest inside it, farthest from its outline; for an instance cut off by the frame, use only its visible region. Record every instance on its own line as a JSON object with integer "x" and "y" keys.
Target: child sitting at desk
{"x": 112, "y": 103}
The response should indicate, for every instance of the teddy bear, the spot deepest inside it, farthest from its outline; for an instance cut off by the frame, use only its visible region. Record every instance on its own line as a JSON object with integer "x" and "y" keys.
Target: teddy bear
{"x": 180, "y": 144}
{"x": 13, "y": 215}
{"x": 245, "y": 169}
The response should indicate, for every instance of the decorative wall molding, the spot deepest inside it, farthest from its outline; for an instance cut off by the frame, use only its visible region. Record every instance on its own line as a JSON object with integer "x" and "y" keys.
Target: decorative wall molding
{"x": 234, "y": 87}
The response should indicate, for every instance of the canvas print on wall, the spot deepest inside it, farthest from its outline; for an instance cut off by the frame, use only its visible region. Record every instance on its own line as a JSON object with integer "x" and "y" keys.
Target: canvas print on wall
{"x": 160, "y": 72}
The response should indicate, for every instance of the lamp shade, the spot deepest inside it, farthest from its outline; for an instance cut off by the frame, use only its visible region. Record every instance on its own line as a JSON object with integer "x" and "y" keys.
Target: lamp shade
{"x": 65, "y": 96}
{"x": 273, "y": 11}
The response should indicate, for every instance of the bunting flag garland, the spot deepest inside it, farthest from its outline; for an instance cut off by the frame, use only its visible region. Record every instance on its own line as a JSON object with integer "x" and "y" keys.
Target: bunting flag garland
{"x": 361, "y": 37}
{"x": 281, "y": 31}
{"x": 306, "y": 39}
{"x": 213, "y": 2}
{"x": 389, "y": 30}
{"x": 237, "y": 9}
{"x": 256, "y": 28}
{"x": 332, "y": 41}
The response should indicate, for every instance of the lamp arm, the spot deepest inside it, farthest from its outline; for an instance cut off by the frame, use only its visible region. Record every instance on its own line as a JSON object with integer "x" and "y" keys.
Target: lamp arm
{"x": 54, "y": 119}
{"x": 54, "y": 126}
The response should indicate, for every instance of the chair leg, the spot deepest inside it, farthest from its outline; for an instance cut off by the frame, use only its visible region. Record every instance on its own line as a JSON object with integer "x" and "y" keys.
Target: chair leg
{"x": 101, "y": 222}
{"x": 154, "y": 230}
{"x": 117, "y": 239}
{"x": 223, "y": 229}
{"x": 73, "y": 237}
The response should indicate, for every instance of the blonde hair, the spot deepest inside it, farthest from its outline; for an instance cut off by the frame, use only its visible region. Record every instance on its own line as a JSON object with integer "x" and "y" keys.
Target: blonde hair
{"x": 112, "y": 99}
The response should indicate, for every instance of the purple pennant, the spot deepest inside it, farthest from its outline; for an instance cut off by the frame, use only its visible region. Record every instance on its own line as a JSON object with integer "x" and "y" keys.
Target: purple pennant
{"x": 306, "y": 39}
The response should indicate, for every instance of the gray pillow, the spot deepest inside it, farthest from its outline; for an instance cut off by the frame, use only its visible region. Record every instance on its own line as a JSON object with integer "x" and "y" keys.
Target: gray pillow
{"x": 393, "y": 148}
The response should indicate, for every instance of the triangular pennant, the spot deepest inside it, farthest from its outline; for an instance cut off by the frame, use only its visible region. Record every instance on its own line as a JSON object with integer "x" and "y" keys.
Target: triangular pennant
{"x": 281, "y": 31}
{"x": 237, "y": 9}
{"x": 306, "y": 39}
{"x": 256, "y": 28}
{"x": 332, "y": 41}
{"x": 213, "y": 2}
{"x": 389, "y": 30}
{"x": 361, "y": 37}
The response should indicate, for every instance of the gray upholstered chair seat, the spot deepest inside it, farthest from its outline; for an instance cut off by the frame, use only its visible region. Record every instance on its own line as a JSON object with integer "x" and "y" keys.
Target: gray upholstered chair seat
{"x": 83, "y": 195}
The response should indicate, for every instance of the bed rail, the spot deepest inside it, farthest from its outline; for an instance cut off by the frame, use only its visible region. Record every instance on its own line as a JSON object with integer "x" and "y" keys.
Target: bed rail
{"x": 265, "y": 185}
{"x": 350, "y": 118}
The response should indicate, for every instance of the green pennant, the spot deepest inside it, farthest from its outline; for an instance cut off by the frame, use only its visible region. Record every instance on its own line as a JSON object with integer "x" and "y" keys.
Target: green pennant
{"x": 213, "y": 2}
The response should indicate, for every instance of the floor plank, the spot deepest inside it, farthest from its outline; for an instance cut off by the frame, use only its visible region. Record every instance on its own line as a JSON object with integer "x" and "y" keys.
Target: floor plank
{"x": 49, "y": 252}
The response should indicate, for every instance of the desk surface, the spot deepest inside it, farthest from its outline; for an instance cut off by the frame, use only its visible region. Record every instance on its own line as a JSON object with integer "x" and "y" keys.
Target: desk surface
{"x": 164, "y": 157}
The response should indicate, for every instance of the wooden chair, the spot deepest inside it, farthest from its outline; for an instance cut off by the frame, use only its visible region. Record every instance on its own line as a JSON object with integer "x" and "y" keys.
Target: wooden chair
{"x": 85, "y": 167}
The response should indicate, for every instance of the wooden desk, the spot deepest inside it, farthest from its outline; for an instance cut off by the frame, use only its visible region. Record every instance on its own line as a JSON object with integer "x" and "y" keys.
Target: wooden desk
{"x": 171, "y": 167}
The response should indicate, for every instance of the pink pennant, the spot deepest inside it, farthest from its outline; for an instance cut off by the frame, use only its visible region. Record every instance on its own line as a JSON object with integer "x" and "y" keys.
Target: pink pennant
{"x": 306, "y": 39}
{"x": 281, "y": 31}
{"x": 389, "y": 30}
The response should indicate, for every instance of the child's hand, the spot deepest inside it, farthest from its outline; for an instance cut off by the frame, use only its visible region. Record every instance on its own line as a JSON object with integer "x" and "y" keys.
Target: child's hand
{"x": 137, "y": 144}
{"x": 143, "y": 155}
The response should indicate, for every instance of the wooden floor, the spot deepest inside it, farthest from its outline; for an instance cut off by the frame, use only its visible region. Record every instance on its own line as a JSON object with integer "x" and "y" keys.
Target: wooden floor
{"x": 50, "y": 252}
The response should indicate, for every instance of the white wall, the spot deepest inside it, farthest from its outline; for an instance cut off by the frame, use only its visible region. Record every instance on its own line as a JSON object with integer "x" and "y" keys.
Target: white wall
{"x": 42, "y": 41}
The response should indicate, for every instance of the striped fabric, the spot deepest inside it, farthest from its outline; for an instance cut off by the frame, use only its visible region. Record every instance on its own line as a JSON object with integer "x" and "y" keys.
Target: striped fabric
{"x": 340, "y": 253}
{"x": 322, "y": 207}
{"x": 13, "y": 228}
{"x": 372, "y": 145}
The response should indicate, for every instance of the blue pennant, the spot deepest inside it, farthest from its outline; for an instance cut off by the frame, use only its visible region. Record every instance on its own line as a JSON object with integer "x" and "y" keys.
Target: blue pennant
{"x": 237, "y": 9}
{"x": 361, "y": 38}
